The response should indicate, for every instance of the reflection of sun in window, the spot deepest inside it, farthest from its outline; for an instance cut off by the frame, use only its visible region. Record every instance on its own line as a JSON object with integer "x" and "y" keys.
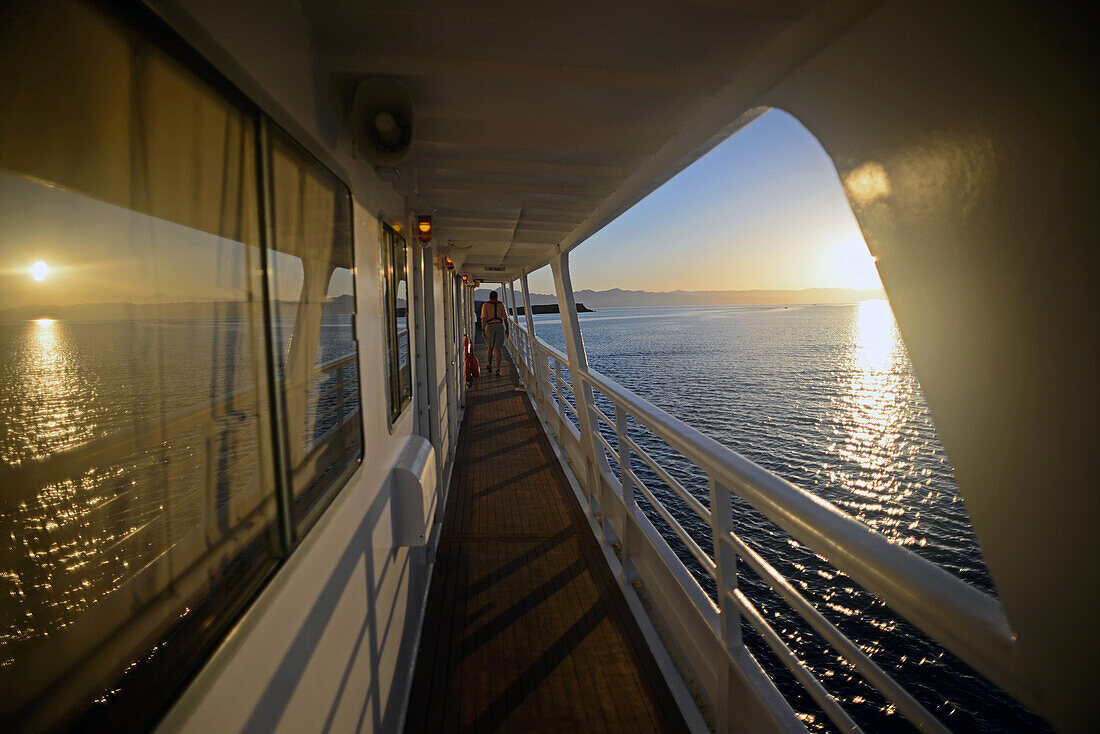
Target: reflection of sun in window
{"x": 40, "y": 270}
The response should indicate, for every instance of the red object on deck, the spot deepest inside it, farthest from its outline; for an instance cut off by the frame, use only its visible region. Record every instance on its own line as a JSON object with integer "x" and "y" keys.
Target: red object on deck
{"x": 473, "y": 366}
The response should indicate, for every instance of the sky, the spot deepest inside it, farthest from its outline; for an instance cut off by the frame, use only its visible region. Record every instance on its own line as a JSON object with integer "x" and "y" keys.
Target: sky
{"x": 97, "y": 252}
{"x": 764, "y": 210}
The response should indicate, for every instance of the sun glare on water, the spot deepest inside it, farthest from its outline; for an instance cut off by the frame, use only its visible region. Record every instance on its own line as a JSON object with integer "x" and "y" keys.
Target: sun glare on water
{"x": 40, "y": 270}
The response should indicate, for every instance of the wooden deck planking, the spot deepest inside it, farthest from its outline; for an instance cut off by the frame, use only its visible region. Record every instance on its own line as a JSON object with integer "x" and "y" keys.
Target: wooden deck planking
{"x": 525, "y": 627}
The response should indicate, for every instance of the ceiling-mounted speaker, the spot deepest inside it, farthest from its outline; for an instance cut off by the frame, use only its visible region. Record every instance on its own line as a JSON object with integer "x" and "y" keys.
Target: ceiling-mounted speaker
{"x": 382, "y": 121}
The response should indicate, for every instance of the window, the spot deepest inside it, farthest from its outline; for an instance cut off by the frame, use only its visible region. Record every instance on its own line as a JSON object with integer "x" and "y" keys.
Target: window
{"x": 313, "y": 307}
{"x": 136, "y": 458}
{"x": 396, "y": 296}
{"x": 144, "y": 466}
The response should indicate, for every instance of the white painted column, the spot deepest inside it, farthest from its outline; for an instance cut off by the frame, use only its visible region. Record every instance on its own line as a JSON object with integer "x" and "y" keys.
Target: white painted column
{"x": 506, "y": 295}
{"x": 510, "y": 308}
{"x": 527, "y": 305}
{"x": 578, "y": 365}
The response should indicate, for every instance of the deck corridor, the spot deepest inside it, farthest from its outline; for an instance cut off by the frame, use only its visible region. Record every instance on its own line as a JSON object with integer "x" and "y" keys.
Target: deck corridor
{"x": 525, "y": 628}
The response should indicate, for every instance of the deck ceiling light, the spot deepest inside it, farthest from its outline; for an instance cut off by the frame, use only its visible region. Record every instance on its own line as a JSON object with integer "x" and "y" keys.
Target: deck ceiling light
{"x": 424, "y": 228}
{"x": 448, "y": 263}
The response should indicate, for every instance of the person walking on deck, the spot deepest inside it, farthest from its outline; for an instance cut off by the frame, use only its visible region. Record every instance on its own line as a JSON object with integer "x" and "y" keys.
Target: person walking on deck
{"x": 494, "y": 322}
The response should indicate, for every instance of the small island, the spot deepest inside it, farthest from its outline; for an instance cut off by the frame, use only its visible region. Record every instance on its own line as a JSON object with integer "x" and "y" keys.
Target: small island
{"x": 550, "y": 308}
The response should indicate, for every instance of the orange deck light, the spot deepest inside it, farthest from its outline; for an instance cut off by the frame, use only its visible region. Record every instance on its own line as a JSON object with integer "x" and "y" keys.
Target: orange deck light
{"x": 424, "y": 228}
{"x": 448, "y": 263}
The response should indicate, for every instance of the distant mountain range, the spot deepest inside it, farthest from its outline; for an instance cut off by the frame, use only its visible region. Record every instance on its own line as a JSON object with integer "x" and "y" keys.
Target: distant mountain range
{"x": 614, "y": 298}
{"x": 618, "y": 298}
{"x": 537, "y": 299}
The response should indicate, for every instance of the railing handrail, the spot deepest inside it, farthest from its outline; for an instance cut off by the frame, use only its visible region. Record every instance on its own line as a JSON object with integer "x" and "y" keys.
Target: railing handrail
{"x": 966, "y": 621}
{"x": 333, "y": 363}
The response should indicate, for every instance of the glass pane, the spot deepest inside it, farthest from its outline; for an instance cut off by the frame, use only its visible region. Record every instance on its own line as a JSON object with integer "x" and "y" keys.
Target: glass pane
{"x": 404, "y": 364}
{"x": 313, "y": 307}
{"x": 388, "y": 237}
{"x": 395, "y": 298}
{"x": 334, "y": 394}
{"x": 135, "y": 455}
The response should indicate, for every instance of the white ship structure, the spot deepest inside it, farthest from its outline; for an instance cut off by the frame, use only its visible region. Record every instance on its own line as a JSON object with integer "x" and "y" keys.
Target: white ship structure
{"x": 362, "y": 166}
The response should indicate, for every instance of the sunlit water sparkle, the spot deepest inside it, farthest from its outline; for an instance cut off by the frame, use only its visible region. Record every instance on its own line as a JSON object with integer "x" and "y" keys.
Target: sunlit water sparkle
{"x": 71, "y": 543}
{"x": 823, "y": 396}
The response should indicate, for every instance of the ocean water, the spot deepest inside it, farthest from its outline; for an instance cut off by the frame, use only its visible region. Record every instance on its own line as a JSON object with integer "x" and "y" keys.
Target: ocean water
{"x": 825, "y": 397}
{"x": 75, "y": 538}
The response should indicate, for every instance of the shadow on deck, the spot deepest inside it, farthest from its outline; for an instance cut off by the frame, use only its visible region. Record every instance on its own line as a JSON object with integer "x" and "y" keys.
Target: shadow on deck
{"x": 526, "y": 629}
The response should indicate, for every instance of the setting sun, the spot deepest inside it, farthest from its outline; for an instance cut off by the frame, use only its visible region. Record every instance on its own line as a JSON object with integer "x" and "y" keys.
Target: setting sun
{"x": 40, "y": 270}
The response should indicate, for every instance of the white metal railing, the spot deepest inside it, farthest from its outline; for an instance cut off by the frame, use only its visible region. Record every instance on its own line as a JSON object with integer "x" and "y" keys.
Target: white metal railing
{"x": 332, "y": 406}
{"x": 969, "y": 623}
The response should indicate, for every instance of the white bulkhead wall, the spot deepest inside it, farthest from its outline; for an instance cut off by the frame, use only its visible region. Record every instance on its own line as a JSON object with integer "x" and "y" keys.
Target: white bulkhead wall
{"x": 329, "y": 643}
{"x": 965, "y": 138}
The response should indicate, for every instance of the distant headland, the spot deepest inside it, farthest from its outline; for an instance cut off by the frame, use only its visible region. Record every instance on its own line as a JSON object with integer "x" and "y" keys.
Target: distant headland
{"x": 618, "y": 298}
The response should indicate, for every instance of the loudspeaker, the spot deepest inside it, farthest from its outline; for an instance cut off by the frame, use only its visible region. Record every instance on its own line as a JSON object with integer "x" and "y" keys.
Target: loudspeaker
{"x": 382, "y": 121}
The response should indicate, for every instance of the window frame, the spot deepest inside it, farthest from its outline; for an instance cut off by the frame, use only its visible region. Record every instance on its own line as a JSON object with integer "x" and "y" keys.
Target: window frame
{"x": 396, "y": 404}
{"x": 297, "y": 521}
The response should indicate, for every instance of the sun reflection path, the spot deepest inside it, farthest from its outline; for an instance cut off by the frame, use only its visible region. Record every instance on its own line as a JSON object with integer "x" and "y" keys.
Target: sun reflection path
{"x": 51, "y": 391}
{"x": 874, "y": 412}
{"x": 876, "y": 337}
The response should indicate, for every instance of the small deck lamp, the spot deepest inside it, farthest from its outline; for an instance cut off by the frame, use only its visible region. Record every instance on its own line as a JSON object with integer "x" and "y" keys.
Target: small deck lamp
{"x": 424, "y": 229}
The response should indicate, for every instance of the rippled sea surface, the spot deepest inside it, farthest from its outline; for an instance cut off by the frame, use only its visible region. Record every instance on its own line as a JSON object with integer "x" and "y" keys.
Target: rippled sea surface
{"x": 825, "y": 397}
{"x": 70, "y": 543}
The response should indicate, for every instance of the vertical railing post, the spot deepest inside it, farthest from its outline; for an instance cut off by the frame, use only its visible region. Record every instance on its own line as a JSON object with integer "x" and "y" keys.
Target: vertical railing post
{"x": 725, "y": 576}
{"x": 725, "y": 561}
{"x": 544, "y": 381}
{"x": 561, "y": 403}
{"x": 528, "y": 362}
{"x": 339, "y": 394}
{"x": 630, "y": 539}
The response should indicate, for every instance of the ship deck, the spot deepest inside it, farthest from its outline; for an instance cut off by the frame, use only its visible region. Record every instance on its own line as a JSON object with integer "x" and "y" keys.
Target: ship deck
{"x": 526, "y": 629}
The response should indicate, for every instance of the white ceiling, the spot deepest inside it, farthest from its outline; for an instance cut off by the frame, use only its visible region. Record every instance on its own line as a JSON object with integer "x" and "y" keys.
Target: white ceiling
{"x": 538, "y": 122}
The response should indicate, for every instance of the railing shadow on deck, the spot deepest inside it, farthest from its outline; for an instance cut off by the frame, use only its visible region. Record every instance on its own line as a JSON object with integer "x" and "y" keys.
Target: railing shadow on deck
{"x": 702, "y": 626}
